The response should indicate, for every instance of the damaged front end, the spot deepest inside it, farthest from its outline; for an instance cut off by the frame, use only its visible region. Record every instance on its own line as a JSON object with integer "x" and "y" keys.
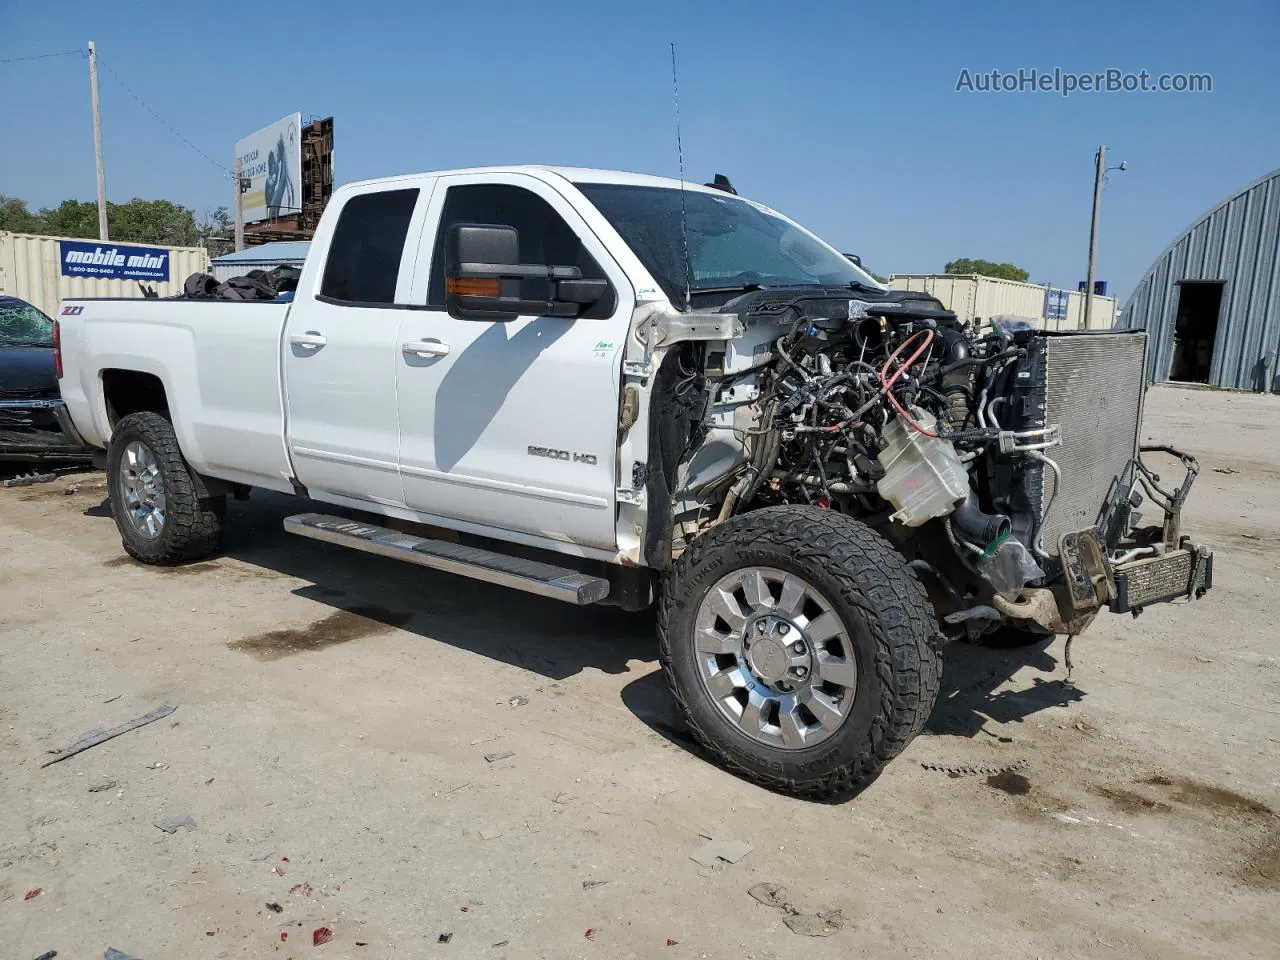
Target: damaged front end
{"x": 1004, "y": 465}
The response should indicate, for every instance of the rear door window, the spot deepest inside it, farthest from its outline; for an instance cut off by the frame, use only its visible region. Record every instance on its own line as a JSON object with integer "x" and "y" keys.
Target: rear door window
{"x": 364, "y": 254}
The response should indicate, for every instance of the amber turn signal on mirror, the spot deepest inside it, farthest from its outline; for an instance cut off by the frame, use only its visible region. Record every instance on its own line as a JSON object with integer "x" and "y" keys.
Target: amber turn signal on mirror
{"x": 472, "y": 287}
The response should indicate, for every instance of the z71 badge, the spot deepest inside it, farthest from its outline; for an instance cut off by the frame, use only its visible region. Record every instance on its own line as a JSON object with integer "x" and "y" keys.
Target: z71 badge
{"x": 552, "y": 454}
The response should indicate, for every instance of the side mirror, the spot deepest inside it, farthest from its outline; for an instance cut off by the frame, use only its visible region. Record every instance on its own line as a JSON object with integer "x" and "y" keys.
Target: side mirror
{"x": 485, "y": 280}
{"x": 854, "y": 259}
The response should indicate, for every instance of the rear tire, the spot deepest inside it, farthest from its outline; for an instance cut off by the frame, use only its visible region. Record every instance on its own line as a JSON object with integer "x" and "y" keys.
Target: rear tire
{"x": 160, "y": 517}
{"x": 863, "y": 616}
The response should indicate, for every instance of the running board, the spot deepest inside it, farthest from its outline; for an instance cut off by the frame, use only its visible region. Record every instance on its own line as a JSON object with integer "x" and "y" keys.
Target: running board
{"x": 531, "y": 576}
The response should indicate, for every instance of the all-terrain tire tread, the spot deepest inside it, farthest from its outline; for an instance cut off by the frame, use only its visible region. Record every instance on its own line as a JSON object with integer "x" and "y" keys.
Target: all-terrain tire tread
{"x": 193, "y": 527}
{"x": 895, "y": 608}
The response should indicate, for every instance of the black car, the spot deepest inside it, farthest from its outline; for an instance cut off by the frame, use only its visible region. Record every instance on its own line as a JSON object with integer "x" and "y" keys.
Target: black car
{"x": 34, "y": 424}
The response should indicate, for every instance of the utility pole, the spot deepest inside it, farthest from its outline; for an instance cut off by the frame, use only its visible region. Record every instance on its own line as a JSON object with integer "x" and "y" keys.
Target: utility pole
{"x": 1100, "y": 165}
{"x": 239, "y": 208}
{"x": 97, "y": 143}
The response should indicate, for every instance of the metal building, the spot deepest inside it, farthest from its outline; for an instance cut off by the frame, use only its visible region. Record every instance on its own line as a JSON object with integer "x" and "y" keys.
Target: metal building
{"x": 1211, "y": 302}
{"x": 265, "y": 256}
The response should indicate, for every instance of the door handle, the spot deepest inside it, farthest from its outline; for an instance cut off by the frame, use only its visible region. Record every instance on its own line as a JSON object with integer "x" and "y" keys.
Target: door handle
{"x": 311, "y": 340}
{"x": 425, "y": 348}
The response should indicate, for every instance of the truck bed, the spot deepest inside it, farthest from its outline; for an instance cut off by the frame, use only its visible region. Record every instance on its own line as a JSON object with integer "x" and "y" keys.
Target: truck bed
{"x": 218, "y": 362}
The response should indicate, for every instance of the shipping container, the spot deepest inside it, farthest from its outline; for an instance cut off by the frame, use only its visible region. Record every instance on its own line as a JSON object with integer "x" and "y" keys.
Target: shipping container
{"x": 44, "y": 270}
{"x": 973, "y": 296}
{"x": 1103, "y": 318}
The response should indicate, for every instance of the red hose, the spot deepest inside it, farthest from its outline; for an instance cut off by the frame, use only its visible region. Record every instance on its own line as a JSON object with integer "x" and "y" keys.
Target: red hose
{"x": 886, "y": 385}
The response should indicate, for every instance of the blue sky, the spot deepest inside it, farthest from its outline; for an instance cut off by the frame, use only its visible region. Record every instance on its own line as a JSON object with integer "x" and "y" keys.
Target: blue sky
{"x": 843, "y": 115}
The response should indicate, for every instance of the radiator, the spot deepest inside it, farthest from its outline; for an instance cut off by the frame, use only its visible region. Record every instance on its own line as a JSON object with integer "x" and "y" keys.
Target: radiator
{"x": 1093, "y": 385}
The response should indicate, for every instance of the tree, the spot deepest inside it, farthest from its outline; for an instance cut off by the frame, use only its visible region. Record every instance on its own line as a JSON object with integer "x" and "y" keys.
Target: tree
{"x": 15, "y": 216}
{"x": 216, "y": 231}
{"x": 985, "y": 268}
{"x": 138, "y": 221}
{"x": 72, "y": 218}
{"x": 152, "y": 221}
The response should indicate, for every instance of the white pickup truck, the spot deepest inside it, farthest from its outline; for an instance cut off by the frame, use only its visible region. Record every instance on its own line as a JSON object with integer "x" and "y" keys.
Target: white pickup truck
{"x": 625, "y": 389}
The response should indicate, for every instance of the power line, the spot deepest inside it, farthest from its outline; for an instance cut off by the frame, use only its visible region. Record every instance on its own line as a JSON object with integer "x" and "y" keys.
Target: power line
{"x": 45, "y": 56}
{"x": 167, "y": 125}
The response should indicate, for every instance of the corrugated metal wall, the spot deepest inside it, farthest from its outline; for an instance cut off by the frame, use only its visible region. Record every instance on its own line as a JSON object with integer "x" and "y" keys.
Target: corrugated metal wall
{"x": 1237, "y": 242}
{"x": 30, "y": 268}
{"x": 238, "y": 268}
{"x": 986, "y": 297}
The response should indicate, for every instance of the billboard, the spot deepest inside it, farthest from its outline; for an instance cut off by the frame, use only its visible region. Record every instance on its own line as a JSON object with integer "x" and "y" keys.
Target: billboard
{"x": 113, "y": 261}
{"x": 271, "y": 160}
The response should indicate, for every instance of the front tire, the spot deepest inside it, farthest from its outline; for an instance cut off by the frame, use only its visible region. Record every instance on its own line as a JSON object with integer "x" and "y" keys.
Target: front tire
{"x": 801, "y": 650}
{"x": 160, "y": 517}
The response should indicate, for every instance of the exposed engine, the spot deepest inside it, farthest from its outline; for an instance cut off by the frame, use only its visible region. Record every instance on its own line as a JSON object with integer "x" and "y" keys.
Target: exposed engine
{"x": 884, "y": 406}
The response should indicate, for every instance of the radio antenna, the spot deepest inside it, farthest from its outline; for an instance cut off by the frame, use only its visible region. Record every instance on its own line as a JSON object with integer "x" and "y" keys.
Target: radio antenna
{"x": 684, "y": 212}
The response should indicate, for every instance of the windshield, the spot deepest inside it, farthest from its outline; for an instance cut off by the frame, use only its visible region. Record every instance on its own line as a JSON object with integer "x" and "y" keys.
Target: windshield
{"x": 22, "y": 325}
{"x": 733, "y": 244}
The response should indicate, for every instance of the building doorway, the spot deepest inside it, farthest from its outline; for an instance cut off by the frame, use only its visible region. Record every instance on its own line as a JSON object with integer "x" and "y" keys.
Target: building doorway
{"x": 1195, "y": 329}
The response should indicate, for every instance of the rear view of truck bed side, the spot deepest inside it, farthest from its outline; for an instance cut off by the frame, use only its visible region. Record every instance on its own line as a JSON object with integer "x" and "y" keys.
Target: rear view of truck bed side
{"x": 213, "y": 367}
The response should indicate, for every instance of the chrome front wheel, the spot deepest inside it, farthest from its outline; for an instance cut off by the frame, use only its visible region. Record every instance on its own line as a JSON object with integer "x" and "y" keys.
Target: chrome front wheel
{"x": 775, "y": 657}
{"x": 799, "y": 648}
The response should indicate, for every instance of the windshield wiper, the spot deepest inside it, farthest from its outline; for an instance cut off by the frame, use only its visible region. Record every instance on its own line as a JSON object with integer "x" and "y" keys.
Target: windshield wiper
{"x": 736, "y": 288}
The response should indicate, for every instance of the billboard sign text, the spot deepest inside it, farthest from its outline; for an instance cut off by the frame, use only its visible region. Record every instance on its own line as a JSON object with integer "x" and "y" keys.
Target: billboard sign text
{"x": 271, "y": 162}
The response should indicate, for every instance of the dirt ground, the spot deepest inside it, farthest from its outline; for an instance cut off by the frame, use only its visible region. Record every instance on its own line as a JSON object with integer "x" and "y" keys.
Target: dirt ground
{"x": 334, "y": 713}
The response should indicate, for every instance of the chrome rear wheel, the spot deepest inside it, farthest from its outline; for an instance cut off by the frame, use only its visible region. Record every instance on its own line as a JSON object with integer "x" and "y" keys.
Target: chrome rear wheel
{"x": 156, "y": 500}
{"x": 142, "y": 487}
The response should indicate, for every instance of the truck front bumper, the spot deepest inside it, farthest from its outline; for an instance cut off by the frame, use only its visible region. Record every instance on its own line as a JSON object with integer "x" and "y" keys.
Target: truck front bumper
{"x": 39, "y": 429}
{"x": 1149, "y": 565}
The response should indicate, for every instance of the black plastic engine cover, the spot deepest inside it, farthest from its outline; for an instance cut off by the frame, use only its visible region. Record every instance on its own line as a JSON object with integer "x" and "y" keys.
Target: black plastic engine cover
{"x": 774, "y": 304}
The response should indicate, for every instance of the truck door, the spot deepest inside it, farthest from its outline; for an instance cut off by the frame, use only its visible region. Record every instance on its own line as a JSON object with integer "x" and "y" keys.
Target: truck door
{"x": 513, "y": 425}
{"x": 340, "y": 348}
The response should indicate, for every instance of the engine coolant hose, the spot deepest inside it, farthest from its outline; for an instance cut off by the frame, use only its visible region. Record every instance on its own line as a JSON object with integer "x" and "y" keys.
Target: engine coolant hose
{"x": 975, "y": 525}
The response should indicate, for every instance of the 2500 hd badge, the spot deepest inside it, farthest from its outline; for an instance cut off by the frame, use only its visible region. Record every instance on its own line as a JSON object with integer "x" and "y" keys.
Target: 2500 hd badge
{"x": 552, "y": 454}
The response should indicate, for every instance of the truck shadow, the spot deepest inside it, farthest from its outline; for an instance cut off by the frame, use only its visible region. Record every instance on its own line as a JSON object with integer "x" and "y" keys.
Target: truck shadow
{"x": 969, "y": 700}
{"x": 547, "y": 637}
{"x": 558, "y": 641}
{"x": 498, "y": 358}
